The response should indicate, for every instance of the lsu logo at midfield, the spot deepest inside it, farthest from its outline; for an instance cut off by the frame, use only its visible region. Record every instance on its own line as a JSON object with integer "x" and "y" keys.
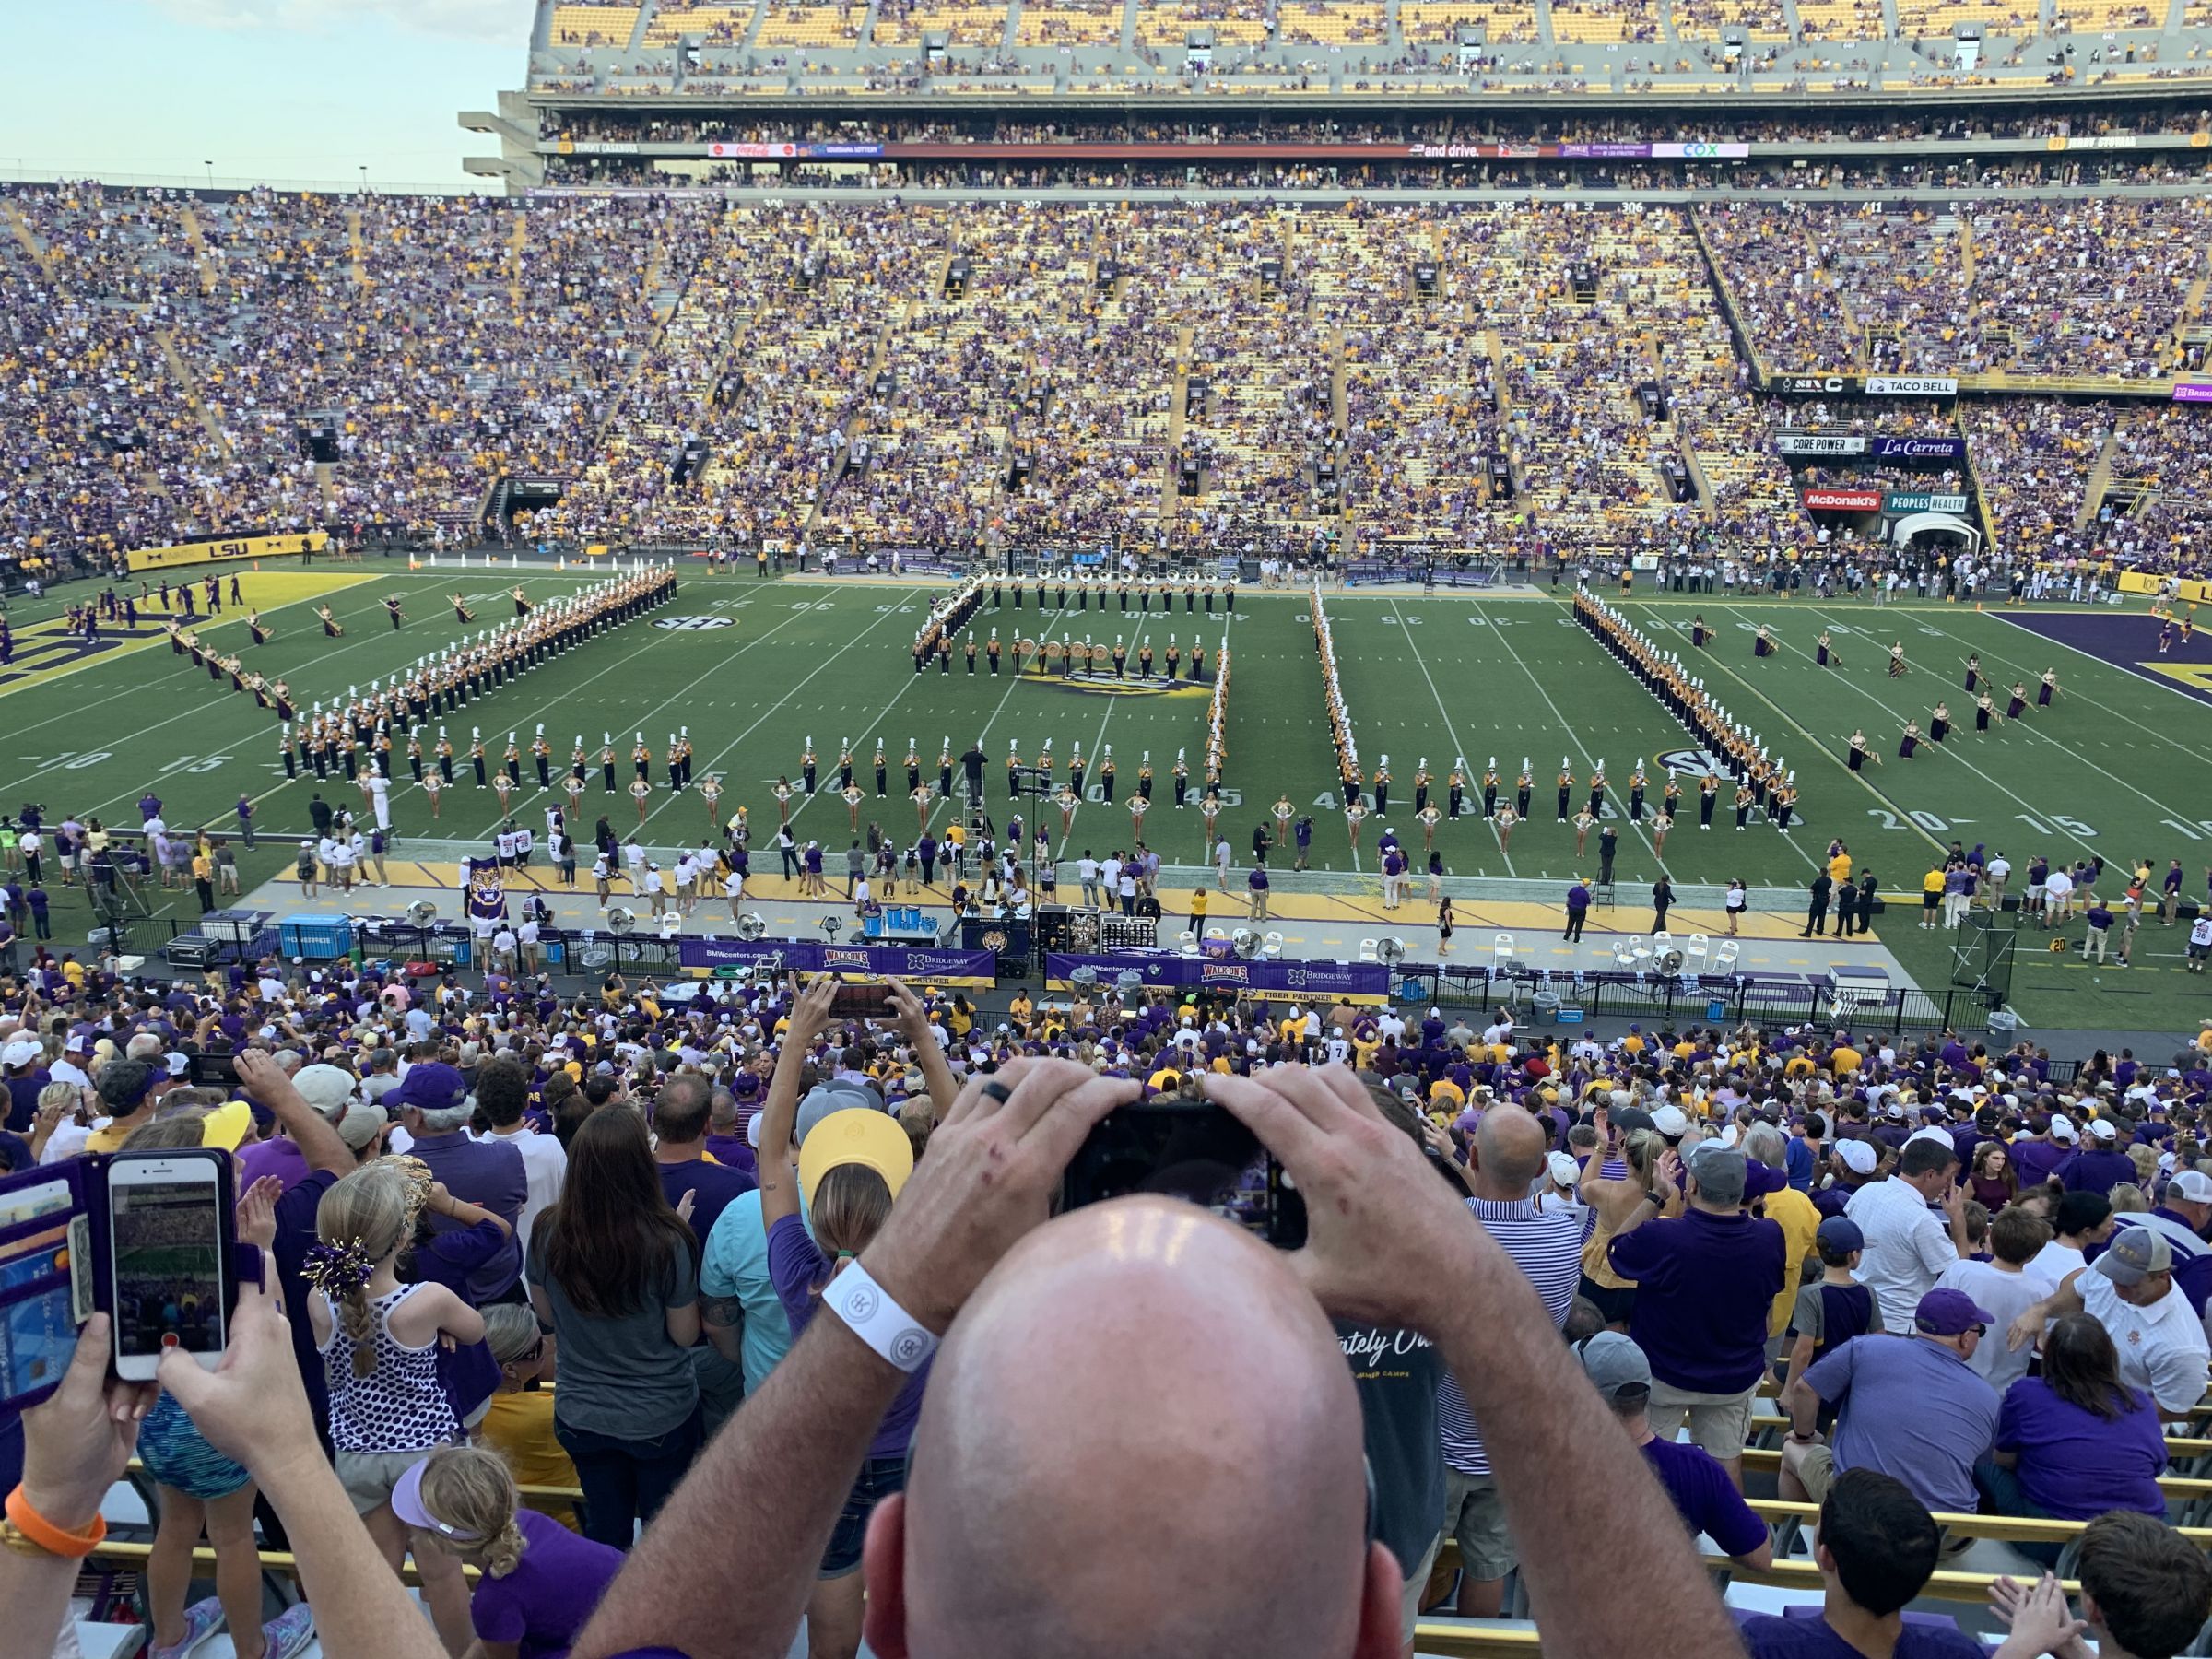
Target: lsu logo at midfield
{"x": 692, "y": 624}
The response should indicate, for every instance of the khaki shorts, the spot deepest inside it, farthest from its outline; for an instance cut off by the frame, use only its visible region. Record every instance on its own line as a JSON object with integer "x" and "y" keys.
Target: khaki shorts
{"x": 1816, "y": 1472}
{"x": 369, "y": 1476}
{"x": 1719, "y": 1423}
{"x": 1475, "y": 1515}
{"x": 1416, "y": 1589}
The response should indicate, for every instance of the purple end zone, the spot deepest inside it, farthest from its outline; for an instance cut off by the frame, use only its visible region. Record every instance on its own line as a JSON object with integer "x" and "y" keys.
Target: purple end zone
{"x": 2124, "y": 639}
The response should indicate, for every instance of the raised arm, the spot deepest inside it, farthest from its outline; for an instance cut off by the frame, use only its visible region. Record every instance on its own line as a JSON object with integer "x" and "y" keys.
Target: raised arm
{"x": 318, "y": 1142}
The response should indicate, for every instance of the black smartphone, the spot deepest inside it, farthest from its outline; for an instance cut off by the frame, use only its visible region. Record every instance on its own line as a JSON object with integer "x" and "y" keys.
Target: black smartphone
{"x": 866, "y": 999}
{"x": 1193, "y": 1150}
{"x": 213, "y": 1071}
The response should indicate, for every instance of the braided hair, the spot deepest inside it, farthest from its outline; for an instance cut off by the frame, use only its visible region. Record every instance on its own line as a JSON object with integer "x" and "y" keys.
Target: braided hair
{"x": 360, "y": 1224}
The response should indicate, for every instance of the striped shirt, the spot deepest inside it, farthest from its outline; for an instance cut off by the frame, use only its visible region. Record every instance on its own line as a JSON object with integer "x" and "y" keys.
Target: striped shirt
{"x": 1547, "y": 1246}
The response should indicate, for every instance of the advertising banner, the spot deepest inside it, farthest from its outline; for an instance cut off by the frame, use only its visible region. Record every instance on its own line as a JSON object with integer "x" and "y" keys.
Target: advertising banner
{"x": 2193, "y": 392}
{"x": 226, "y": 551}
{"x": 795, "y": 152}
{"x": 1909, "y": 501}
{"x": 1843, "y": 500}
{"x": 1814, "y": 385}
{"x": 1788, "y": 442}
{"x": 1356, "y": 980}
{"x": 962, "y": 968}
{"x": 1920, "y": 449}
{"x": 1913, "y": 386}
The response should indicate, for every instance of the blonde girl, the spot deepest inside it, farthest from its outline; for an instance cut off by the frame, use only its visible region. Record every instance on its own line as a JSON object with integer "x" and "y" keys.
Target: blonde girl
{"x": 540, "y": 1581}
{"x": 379, "y": 1340}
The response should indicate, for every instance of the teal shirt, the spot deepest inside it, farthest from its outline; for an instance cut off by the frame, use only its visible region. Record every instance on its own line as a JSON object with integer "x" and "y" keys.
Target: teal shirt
{"x": 735, "y": 1264}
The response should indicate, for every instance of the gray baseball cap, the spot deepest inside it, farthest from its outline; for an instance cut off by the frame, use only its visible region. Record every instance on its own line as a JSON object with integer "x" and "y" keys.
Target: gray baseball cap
{"x": 1615, "y": 1366}
{"x": 1722, "y": 1172}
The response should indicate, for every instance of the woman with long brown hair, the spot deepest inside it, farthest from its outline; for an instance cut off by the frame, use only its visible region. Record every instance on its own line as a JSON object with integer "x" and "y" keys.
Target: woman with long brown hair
{"x": 2076, "y": 1441}
{"x": 612, "y": 1270}
{"x": 1994, "y": 1183}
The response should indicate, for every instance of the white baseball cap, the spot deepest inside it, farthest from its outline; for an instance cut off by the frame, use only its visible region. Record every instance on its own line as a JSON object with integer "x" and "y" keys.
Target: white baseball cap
{"x": 2191, "y": 1185}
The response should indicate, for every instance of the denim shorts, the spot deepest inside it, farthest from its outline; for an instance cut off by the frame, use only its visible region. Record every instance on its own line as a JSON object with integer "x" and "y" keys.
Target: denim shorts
{"x": 879, "y": 1478}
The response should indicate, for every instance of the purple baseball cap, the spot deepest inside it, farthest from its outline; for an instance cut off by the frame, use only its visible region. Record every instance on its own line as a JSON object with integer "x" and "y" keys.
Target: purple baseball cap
{"x": 1949, "y": 1312}
{"x": 428, "y": 1086}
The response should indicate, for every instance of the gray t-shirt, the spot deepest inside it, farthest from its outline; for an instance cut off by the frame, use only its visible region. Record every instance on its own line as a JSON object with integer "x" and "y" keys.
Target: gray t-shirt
{"x": 622, "y": 1376}
{"x": 1809, "y": 1318}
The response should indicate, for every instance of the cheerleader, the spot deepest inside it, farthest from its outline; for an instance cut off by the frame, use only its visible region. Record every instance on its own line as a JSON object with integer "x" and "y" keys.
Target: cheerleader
{"x": 1973, "y": 670}
{"x": 1897, "y": 660}
{"x": 1985, "y": 711}
{"x": 1067, "y": 800}
{"x": 1825, "y": 654}
{"x": 1354, "y": 814}
{"x": 710, "y": 792}
{"x": 1762, "y": 642}
{"x": 2047, "y": 689}
{"x": 1507, "y": 818}
{"x": 2016, "y": 704}
{"x": 853, "y": 797}
{"x": 1940, "y": 723}
{"x": 1585, "y": 821}
{"x": 783, "y": 797}
{"x": 1662, "y": 821}
{"x": 921, "y": 795}
{"x": 641, "y": 791}
{"x": 433, "y": 786}
{"x": 331, "y": 629}
{"x": 2165, "y": 637}
{"x": 1908, "y": 741}
{"x": 502, "y": 786}
{"x": 1428, "y": 817}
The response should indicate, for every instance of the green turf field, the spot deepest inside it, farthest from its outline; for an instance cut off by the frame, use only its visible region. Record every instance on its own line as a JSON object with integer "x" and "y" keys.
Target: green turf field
{"x": 755, "y": 669}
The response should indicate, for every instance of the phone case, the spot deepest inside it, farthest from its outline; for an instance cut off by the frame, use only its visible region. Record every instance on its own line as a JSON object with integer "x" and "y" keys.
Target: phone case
{"x": 54, "y": 1268}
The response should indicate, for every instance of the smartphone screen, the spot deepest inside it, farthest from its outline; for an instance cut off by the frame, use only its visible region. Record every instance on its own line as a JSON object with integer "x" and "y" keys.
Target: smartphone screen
{"x": 1197, "y": 1152}
{"x": 166, "y": 1238}
{"x": 870, "y": 999}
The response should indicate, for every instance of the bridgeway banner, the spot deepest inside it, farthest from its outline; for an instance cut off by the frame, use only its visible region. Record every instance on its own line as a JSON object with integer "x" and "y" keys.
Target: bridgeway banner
{"x": 1362, "y": 980}
{"x": 967, "y": 968}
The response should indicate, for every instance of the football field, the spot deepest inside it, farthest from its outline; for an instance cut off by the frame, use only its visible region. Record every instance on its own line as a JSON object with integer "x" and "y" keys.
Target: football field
{"x": 2120, "y": 766}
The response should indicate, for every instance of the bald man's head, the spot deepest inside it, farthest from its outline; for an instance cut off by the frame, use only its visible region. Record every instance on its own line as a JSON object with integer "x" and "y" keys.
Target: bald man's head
{"x": 1509, "y": 1152}
{"x": 1140, "y": 1439}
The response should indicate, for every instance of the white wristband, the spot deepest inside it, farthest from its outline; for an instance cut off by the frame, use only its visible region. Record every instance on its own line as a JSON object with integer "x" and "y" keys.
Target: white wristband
{"x": 870, "y": 1313}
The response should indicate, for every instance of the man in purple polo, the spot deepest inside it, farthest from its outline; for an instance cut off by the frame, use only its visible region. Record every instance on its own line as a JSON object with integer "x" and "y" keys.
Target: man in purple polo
{"x": 434, "y": 1105}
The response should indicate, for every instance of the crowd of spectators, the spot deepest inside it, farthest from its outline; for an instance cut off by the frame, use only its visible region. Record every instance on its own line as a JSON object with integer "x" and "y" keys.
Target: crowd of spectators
{"x": 835, "y": 380}
{"x": 685, "y": 1202}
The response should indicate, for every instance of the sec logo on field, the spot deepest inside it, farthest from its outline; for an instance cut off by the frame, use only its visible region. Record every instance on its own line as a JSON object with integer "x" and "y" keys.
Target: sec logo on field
{"x": 688, "y": 623}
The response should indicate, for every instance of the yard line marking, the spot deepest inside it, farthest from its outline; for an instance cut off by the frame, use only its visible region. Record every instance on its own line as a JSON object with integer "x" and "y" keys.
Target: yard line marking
{"x": 1573, "y": 735}
{"x": 2037, "y": 731}
{"x": 1865, "y": 782}
{"x": 827, "y": 663}
{"x": 1944, "y": 749}
{"x": 2195, "y": 754}
{"x": 1097, "y": 746}
{"x": 1458, "y": 748}
{"x": 1960, "y": 758}
{"x": 666, "y": 703}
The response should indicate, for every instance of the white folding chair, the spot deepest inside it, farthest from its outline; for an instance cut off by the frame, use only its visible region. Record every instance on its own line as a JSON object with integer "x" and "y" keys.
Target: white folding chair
{"x": 1272, "y": 946}
{"x": 1367, "y": 950}
{"x": 1186, "y": 942}
{"x": 1696, "y": 951}
{"x": 1502, "y": 951}
{"x": 1725, "y": 955}
{"x": 1661, "y": 942}
{"x": 1626, "y": 949}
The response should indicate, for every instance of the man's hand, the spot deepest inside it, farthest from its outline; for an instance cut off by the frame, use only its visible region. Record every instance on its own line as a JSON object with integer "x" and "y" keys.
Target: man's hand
{"x": 810, "y": 1010}
{"x": 995, "y": 1161}
{"x": 1666, "y": 1173}
{"x": 77, "y": 1440}
{"x": 2026, "y": 1328}
{"x": 252, "y": 1406}
{"x": 1384, "y": 1234}
{"x": 1953, "y": 1203}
